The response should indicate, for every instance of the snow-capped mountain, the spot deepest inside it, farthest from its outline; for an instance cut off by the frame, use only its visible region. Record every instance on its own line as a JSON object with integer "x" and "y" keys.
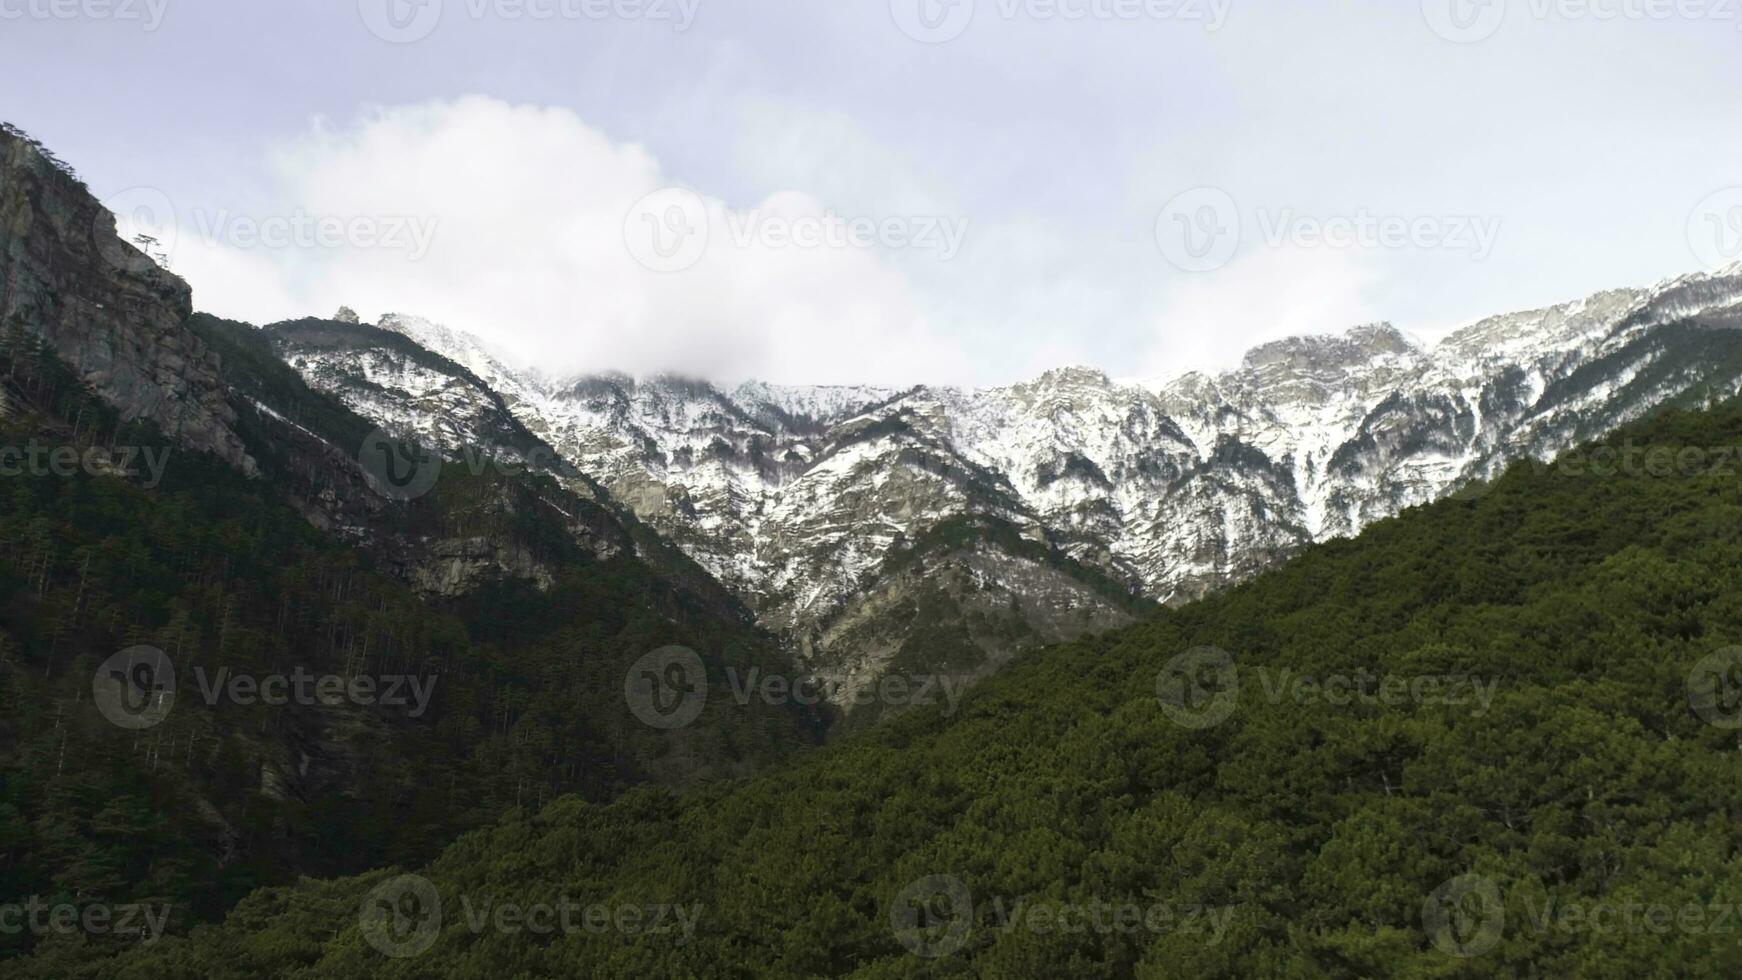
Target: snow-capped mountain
{"x": 814, "y": 503}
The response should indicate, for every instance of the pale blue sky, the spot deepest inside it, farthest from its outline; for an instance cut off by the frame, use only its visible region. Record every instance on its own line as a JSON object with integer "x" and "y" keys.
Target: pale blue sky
{"x": 1585, "y": 144}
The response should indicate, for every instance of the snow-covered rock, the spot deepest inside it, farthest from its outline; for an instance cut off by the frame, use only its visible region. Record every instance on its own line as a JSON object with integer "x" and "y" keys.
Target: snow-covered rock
{"x": 797, "y": 497}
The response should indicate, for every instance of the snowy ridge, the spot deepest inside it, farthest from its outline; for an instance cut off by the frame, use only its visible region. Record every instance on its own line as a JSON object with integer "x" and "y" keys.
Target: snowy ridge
{"x": 815, "y": 403}
{"x": 795, "y": 496}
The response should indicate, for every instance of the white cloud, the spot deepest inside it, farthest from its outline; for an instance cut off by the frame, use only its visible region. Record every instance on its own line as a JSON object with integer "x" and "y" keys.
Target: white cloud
{"x": 782, "y": 143}
{"x": 1059, "y": 139}
{"x": 528, "y": 209}
{"x": 1265, "y": 294}
{"x": 526, "y": 212}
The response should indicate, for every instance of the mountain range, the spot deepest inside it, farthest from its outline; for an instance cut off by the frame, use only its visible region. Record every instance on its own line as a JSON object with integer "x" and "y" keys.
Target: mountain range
{"x": 927, "y": 530}
{"x": 395, "y": 499}
{"x": 1492, "y": 737}
{"x": 942, "y": 530}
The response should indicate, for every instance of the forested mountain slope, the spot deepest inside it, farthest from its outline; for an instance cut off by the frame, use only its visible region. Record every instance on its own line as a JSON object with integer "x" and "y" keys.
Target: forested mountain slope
{"x": 511, "y": 694}
{"x": 168, "y": 485}
{"x": 1494, "y": 736}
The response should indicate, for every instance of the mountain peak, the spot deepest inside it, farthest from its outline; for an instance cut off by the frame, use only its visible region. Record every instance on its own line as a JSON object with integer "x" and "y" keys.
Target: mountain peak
{"x": 1354, "y": 347}
{"x": 819, "y": 403}
{"x": 1076, "y": 374}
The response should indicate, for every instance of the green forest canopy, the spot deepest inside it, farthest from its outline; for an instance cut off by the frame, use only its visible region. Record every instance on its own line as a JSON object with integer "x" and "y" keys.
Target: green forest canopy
{"x": 1533, "y": 813}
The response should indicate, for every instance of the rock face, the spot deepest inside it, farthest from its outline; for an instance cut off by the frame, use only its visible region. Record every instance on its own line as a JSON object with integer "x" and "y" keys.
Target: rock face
{"x": 1176, "y": 488}
{"x": 313, "y": 390}
{"x": 963, "y": 601}
{"x": 409, "y": 389}
{"x": 1037, "y": 511}
{"x": 107, "y": 308}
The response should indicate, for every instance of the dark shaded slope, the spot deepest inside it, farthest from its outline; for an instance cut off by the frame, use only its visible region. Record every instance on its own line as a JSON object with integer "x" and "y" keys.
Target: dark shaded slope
{"x": 166, "y": 482}
{"x": 521, "y": 688}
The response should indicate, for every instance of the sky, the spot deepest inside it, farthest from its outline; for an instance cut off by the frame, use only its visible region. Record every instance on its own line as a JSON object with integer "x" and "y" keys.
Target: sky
{"x": 897, "y": 191}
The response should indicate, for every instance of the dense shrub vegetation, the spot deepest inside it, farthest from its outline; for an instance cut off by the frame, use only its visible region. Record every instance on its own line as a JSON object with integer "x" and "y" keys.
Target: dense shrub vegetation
{"x": 524, "y": 686}
{"x": 1561, "y": 802}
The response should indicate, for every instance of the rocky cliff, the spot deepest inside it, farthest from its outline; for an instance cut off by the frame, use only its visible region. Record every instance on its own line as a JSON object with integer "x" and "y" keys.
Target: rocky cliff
{"x": 103, "y": 305}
